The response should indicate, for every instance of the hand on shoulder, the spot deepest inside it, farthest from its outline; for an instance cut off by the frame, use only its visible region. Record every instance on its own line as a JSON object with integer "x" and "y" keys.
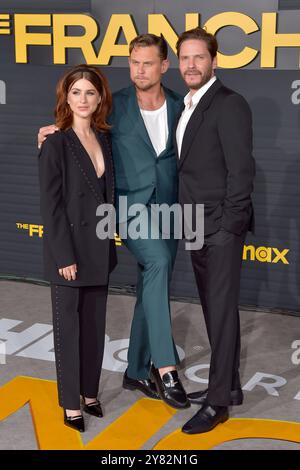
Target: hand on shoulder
{"x": 44, "y": 132}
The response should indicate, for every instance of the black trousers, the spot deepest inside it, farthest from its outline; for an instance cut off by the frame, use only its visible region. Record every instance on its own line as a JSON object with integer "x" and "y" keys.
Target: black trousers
{"x": 217, "y": 268}
{"x": 79, "y": 315}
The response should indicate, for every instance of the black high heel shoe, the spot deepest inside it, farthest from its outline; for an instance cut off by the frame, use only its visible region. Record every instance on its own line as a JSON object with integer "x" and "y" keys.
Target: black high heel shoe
{"x": 74, "y": 422}
{"x": 93, "y": 408}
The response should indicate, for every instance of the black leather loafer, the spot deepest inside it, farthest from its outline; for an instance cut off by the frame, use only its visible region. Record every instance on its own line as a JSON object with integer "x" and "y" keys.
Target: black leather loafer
{"x": 93, "y": 408}
{"x": 170, "y": 388}
{"x": 199, "y": 398}
{"x": 206, "y": 419}
{"x": 74, "y": 422}
{"x": 145, "y": 386}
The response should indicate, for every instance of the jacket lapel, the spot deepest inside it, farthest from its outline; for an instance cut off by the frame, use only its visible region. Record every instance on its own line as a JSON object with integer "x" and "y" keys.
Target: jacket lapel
{"x": 85, "y": 164}
{"x": 137, "y": 120}
{"x": 105, "y": 142}
{"x": 196, "y": 119}
{"x": 175, "y": 127}
{"x": 173, "y": 110}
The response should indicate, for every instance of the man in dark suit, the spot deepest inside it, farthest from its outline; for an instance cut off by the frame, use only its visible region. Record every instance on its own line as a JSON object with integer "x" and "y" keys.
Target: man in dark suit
{"x": 216, "y": 168}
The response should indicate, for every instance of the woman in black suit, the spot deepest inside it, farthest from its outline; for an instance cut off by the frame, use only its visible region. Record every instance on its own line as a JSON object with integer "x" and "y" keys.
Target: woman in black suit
{"x": 76, "y": 176}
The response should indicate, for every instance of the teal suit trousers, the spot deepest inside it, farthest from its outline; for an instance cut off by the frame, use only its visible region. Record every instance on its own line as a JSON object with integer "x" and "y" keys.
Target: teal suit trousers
{"x": 151, "y": 332}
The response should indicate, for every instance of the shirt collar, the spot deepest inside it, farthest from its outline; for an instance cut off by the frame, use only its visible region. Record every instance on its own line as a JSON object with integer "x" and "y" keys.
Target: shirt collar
{"x": 198, "y": 95}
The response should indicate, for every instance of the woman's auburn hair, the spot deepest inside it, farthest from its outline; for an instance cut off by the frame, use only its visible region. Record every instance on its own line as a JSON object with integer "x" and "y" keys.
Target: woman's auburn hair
{"x": 64, "y": 115}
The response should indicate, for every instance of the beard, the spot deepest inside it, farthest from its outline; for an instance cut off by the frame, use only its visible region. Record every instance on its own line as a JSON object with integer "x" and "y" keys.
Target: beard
{"x": 203, "y": 79}
{"x": 143, "y": 85}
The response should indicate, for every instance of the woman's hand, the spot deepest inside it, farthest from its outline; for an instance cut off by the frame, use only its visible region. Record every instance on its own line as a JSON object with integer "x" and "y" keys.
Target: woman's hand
{"x": 69, "y": 272}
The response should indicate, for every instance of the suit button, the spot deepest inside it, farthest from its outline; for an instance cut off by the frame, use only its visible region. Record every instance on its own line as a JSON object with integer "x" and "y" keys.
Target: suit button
{"x": 80, "y": 194}
{"x": 83, "y": 223}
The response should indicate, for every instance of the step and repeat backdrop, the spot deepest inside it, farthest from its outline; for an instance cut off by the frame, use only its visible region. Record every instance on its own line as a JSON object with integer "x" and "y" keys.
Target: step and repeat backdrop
{"x": 259, "y": 57}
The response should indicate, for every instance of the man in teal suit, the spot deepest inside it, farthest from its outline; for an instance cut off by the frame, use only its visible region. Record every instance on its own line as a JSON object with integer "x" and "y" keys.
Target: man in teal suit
{"x": 146, "y": 172}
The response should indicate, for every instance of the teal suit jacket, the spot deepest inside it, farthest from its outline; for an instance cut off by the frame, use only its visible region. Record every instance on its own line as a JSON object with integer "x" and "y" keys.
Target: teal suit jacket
{"x": 138, "y": 171}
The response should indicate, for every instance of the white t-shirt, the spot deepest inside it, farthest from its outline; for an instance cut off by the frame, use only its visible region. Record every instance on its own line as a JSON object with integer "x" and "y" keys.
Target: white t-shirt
{"x": 156, "y": 123}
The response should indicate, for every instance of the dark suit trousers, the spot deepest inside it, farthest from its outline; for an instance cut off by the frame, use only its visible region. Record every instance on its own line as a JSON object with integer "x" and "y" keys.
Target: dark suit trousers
{"x": 217, "y": 268}
{"x": 79, "y": 332}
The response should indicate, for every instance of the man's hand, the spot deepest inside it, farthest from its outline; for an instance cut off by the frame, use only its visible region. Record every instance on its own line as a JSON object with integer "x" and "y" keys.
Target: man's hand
{"x": 44, "y": 131}
{"x": 69, "y": 272}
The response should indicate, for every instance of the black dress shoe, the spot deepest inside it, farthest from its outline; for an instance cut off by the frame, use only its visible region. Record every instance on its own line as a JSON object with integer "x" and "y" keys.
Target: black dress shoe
{"x": 93, "y": 408}
{"x": 145, "y": 386}
{"x": 206, "y": 419}
{"x": 199, "y": 398}
{"x": 74, "y": 422}
{"x": 170, "y": 388}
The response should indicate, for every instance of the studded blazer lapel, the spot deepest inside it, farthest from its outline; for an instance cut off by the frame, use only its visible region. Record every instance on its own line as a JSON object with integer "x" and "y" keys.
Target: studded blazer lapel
{"x": 84, "y": 164}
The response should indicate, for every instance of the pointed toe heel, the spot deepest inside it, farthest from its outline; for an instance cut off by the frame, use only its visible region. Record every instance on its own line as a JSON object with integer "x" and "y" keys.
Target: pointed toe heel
{"x": 94, "y": 409}
{"x": 74, "y": 422}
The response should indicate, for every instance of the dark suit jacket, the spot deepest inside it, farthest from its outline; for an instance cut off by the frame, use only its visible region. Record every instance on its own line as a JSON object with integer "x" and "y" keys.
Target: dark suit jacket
{"x": 138, "y": 170}
{"x": 216, "y": 167}
{"x": 70, "y": 194}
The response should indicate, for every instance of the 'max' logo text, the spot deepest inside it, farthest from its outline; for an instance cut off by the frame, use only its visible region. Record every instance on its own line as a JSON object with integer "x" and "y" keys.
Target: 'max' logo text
{"x": 265, "y": 254}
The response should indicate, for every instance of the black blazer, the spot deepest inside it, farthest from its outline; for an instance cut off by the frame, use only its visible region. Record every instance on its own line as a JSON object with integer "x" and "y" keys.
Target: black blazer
{"x": 69, "y": 195}
{"x": 216, "y": 166}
